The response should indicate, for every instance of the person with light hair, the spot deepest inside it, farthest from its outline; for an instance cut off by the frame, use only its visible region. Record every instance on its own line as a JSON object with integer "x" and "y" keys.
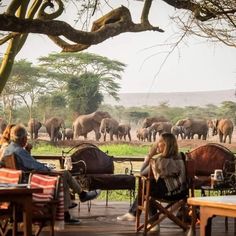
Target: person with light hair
{"x": 26, "y": 162}
{"x": 5, "y": 139}
{"x": 168, "y": 179}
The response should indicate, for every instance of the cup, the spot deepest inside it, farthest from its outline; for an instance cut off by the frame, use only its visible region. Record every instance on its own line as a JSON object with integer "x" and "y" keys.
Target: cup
{"x": 218, "y": 175}
{"x": 68, "y": 163}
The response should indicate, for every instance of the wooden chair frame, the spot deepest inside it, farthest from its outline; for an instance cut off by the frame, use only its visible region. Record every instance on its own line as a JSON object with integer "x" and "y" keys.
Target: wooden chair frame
{"x": 6, "y": 214}
{"x": 50, "y": 205}
{"x": 167, "y": 209}
{"x": 11, "y": 163}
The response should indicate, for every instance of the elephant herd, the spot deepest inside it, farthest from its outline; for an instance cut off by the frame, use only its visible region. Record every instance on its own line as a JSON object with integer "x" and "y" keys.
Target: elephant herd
{"x": 103, "y": 124}
{"x": 100, "y": 122}
{"x": 186, "y": 128}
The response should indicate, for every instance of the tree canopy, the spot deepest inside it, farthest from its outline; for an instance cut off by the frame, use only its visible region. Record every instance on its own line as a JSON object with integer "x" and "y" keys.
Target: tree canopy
{"x": 206, "y": 18}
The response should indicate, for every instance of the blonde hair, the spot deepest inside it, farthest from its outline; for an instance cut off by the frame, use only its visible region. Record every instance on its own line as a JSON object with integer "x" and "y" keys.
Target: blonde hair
{"x": 6, "y": 134}
{"x": 18, "y": 132}
{"x": 171, "y": 147}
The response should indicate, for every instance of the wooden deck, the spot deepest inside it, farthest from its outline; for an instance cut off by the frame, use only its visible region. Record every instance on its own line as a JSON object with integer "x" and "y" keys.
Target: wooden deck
{"x": 101, "y": 221}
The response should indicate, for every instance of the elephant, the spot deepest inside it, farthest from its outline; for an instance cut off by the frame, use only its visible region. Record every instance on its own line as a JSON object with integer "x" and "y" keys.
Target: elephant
{"x": 68, "y": 134}
{"x": 158, "y": 127}
{"x": 123, "y": 130}
{"x": 194, "y": 126}
{"x": 59, "y": 136}
{"x": 87, "y": 123}
{"x": 142, "y": 134}
{"x": 53, "y": 126}
{"x": 33, "y": 126}
{"x": 110, "y": 126}
{"x": 177, "y": 130}
{"x": 3, "y": 125}
{"x": 149, "y": 120}
{"x": 223, "y": 127}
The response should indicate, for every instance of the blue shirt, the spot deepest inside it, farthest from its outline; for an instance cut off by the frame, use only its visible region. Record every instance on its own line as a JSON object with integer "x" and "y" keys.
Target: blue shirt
{"x": 24, "y": 160}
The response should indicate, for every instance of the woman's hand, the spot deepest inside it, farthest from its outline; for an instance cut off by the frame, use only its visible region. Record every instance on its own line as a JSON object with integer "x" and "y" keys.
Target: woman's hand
{"x": 153, "y": 150}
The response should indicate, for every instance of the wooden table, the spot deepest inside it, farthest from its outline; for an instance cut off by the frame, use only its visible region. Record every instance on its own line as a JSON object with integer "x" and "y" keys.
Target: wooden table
{"x": 20, "y": 196}
{"x": 209, "y": 207}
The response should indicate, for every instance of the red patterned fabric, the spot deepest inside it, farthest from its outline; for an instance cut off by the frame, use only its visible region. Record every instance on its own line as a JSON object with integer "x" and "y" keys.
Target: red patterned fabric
{"x": 48, "y": 183}
{"x": 60, "y": 206}
{"x": 9, "y": 176}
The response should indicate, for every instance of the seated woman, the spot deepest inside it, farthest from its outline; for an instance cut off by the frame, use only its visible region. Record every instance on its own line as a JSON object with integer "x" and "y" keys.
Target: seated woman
{"x": 5, "y": 139}
{"x": 167, "y": 175}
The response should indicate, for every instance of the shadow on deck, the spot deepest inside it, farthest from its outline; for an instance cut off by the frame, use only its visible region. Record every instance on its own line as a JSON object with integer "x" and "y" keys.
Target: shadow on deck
{"x": 101, "y": 220}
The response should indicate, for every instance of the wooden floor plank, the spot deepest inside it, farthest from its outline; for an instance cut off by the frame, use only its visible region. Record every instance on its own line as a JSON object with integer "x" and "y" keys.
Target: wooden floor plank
{"x": 101, "y": 221}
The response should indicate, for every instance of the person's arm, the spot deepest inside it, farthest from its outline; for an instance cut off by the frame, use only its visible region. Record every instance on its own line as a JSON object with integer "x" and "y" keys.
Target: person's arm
{"x": 152, "y": 152}
{"x": 29, "y": 162}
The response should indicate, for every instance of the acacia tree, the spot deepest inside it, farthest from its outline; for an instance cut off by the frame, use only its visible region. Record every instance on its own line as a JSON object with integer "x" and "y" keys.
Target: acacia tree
{"x": 26, "y": 83}
{"x": 68, "y": 66}
{"x": 22, "y": 17}
{"x": 83, "y": 93}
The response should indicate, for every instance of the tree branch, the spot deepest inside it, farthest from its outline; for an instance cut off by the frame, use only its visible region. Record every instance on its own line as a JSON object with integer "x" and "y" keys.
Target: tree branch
{"x": 7, "y": 37}
{"x": 112, "y": 24}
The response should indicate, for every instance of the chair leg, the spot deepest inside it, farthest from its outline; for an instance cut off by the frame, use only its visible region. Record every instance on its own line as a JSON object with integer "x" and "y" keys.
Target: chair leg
{"x": 4, "y": 227}
{"x": 169, "y": 213}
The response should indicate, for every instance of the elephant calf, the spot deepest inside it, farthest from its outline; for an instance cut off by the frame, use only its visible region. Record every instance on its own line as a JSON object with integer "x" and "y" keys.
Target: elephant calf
{"x": 110, "y": 126}
{"x": 142, "y": 134}
{"x": 69, "y": 134}
{"x": 123, "y": 131}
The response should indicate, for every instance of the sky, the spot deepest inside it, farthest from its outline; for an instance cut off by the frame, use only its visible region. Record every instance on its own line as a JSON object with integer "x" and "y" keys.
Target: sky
{"x": 195, "y": 66}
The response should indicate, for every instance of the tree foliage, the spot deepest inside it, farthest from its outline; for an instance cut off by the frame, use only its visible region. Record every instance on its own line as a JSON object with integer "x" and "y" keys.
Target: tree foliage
{"x": 207, "y": 18}
{"x": 67, "y": 66}
{"x": 26, "y": 83}
{"x": 83, "y": 93}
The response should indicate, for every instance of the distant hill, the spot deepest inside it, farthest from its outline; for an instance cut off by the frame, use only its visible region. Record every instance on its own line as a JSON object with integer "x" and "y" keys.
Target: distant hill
{"x": 176, "y": 99}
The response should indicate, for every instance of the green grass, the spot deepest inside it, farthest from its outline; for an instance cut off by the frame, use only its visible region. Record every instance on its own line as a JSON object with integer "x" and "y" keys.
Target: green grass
{"x": 113, "y": 149}
{"x": 124, "y": 150}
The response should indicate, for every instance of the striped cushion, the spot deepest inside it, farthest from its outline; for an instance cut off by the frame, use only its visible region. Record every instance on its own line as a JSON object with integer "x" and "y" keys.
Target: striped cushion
{"x": 49, "y": 185}
{"x": 10, "y": 176}
{"x": 60, "y": 205}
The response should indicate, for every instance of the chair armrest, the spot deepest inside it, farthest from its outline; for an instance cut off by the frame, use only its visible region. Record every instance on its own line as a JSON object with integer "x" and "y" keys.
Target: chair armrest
{"x": 52, "y": 173}
{"x": 126, "y": 169}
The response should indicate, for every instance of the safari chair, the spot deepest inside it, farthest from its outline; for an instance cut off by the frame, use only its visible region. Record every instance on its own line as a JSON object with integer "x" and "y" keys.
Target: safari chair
{"x": 94, "y": 169}
{"x": 10, "y": 162}
{"x": 7, "y": 176}
{"x": 47, "y": 206}
{"x": 166, "y": 208}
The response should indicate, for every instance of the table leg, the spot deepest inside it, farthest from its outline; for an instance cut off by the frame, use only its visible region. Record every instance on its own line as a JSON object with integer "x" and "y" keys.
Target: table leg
{"x": 27, "y": 216}
{"x": 15, "y": 223}
{"x": 192, "y": 230}
{"x": 205, "y": 221}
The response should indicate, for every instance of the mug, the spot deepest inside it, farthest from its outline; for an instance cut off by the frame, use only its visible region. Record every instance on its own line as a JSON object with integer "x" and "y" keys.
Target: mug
{"x": 218, "y": 175}
{"x": 68, "y": 163}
